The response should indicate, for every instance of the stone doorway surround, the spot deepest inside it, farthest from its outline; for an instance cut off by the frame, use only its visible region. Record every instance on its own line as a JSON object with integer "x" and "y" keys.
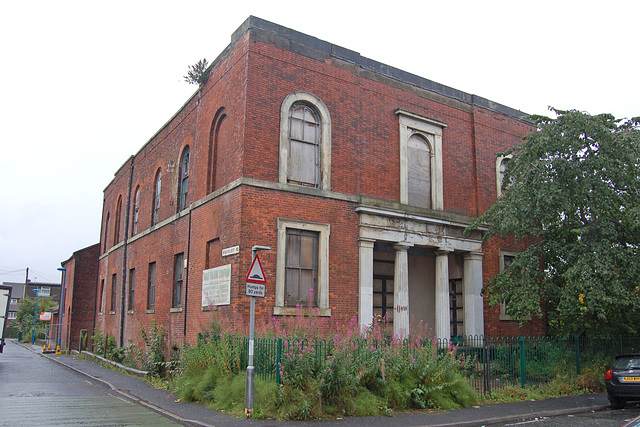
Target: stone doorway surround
{"x": 440, "y": 231}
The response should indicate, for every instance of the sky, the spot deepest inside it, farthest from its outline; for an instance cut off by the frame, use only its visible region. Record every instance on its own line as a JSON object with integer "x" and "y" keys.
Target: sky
{"x": 85, "y": 84}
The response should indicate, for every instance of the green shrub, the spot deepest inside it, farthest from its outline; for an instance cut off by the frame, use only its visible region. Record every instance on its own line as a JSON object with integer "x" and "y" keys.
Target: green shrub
{"x": 152, "y": 357}
{"x": 102, "y": 345}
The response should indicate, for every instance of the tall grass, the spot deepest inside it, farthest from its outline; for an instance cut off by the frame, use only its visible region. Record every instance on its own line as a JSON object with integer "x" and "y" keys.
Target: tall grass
{"x": 328, "y": 368}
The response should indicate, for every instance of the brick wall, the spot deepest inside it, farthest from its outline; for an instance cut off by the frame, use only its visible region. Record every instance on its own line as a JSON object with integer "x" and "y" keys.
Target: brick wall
{"x": 80, "y": 294}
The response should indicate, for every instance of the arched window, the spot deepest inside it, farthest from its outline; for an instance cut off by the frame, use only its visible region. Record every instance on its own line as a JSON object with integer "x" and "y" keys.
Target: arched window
{"x": 214, "y": 142}
{"x": 184, "y": 179}
{"x": 106, "y": 234}
{"x": 116, "y": 225}
{"x": 155, "y": 208}
{"x": 305, "y": 141}
{"x": 502, "y": 163}
{"x": 304, "y": 145}
{"x": 419, "y": 165}
{"x": 421, "y": 181}
{"x": 136, "y": 211}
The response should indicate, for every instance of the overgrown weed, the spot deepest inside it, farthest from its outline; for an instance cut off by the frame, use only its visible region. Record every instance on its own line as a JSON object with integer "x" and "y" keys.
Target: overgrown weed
{"x": 327, "y": 369}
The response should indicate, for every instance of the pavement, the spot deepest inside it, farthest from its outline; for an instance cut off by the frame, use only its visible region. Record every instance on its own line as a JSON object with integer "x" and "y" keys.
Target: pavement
{"x": 166, "y": 403}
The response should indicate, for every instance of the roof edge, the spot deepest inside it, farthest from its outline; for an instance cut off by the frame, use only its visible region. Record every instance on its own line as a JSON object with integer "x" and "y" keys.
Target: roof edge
{"x": 315, "y": 48}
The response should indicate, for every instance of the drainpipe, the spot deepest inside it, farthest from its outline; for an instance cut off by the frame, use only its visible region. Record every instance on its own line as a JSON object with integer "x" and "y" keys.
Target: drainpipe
{"x": 474, "y": 165}
{"x": 186, "y": 279}
{"x": 123, "y": 305}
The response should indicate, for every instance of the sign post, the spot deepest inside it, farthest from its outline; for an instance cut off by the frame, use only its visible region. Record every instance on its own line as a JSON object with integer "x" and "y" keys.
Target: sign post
{"x": 256, "y": 282}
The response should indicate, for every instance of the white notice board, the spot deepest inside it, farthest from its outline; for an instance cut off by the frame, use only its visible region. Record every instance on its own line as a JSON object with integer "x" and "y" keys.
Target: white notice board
{"x": 216, "y": 286}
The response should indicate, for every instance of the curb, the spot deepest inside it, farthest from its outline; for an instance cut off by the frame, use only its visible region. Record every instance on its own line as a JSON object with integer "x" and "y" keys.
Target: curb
{"x": 99, "y": 360}
{"x": 523, "y": 418}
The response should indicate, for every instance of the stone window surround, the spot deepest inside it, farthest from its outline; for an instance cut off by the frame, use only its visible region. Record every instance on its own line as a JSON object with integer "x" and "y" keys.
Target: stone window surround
{"x": 323, "y": 266}
{"x": 325, "y": 129}
{"x": 499, "y": 176}
{"x": 431, "y": 131}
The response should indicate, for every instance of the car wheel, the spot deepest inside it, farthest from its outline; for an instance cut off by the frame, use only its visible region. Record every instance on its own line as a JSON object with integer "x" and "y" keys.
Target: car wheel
{"x": 616, "y": 402}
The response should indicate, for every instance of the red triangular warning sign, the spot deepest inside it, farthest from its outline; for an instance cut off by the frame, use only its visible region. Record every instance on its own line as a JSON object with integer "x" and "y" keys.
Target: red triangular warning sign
{"x": 256, "y": 274}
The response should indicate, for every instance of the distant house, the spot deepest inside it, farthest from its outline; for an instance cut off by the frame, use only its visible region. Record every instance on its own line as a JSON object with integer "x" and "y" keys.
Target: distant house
{"x": 360, "y": 177}
{"x": 20, "y": 290}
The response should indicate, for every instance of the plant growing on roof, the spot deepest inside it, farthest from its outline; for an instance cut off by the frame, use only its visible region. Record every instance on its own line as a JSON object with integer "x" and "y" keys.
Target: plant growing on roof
{"x": 198, "y": 73}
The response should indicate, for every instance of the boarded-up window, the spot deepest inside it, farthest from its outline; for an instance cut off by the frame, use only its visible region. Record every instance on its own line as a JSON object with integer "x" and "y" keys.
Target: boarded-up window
{"x": 505, "y": 262}
{"x": 184, "y": 178}
{"x": 113, "y": 292}
{"x": 502, "y": 168}
{"x": 106, "y": 234}
{"x": 132, "y": 287}
{"x": 213, "y": 254}
{"x": 304, "y": 150}
{"x": 177, "y": 284}
{"x": 116, "y": 227}
{"x": 101, "y": 296}
{"x": 156, "y": 198}
{"x": 301, "y": 268}
{"x": 419, "y": 167}
{"x": 136, "y": 211}
{"x": 151, "y": 287}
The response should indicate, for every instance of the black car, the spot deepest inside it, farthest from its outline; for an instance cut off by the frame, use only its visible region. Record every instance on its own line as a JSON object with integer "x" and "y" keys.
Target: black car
{"x": 623, "y": 380}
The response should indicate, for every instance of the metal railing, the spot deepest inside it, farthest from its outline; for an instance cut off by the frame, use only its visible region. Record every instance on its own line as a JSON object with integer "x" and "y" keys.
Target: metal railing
{"x": 489, "y": 363}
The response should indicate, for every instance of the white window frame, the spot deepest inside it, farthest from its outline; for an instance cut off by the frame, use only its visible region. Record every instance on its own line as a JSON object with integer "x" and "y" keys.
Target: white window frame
{"x": 431, "y": 131}
{"x": 325, "y": 132}
{"x": 322, "y": 308}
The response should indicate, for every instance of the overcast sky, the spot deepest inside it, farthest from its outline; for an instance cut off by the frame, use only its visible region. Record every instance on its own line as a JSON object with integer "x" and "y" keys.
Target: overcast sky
{"x": 83, "y": 85}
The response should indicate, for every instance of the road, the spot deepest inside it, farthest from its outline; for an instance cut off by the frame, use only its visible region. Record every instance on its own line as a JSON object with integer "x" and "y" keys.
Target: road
{"x": 607, "y": 418}
{"x": 37, "y": 391}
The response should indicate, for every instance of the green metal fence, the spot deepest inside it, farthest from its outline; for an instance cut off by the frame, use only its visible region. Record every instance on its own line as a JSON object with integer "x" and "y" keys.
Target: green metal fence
{"x": 490, "y": 363}
{"x": 495, "y": 363}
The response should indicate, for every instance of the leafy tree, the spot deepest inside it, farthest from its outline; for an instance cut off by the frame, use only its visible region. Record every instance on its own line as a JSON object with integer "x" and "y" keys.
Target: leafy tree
{"x": 26, "y": 310}
{"x": 198, "y": 73}
{"x": 572, "y": 191}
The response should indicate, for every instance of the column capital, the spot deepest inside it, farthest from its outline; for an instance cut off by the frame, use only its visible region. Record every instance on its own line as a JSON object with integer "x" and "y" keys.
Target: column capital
{"x": 364, "y": 242}
{"x": 402, "y": 246}
{"x": 443, "y": 251}
{"x": 474, "y": 256}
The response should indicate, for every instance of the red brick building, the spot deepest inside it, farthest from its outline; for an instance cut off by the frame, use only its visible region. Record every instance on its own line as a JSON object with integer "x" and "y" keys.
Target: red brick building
{"x": 359, "y": 176}
{"x": 79, "y": 304}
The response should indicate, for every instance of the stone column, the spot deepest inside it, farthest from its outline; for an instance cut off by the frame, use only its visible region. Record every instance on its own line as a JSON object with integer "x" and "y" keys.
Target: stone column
{"x": 401, "y": 290}
{"x": 473, "y": 302}
{"x": 443, "y": 316}
{"x": 365, "y": 275}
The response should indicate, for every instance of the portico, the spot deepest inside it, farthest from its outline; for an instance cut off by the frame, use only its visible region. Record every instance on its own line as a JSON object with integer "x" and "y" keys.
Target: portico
{"x": 416, "y": 269}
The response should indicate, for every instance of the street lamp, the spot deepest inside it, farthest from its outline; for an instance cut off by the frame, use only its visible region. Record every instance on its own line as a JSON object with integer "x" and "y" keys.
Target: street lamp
{"x": 61, "y": 305}
{"x": 35, "y": 317}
